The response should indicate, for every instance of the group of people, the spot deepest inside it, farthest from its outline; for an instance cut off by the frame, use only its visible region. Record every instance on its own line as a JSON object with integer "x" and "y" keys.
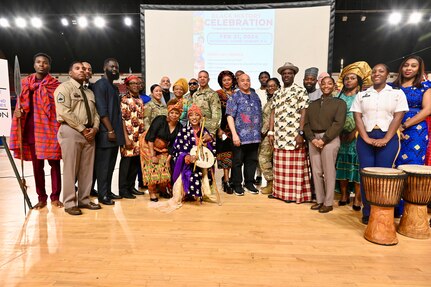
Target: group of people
{"x": 302, "y": 139}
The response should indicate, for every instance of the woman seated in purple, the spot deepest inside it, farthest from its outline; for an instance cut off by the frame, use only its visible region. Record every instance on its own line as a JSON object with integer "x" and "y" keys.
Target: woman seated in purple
{"x": 190, "y": 181}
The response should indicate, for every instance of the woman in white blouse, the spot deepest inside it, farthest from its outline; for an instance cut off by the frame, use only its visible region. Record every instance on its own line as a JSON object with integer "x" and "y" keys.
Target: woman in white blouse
{"x": 378, "y": 112}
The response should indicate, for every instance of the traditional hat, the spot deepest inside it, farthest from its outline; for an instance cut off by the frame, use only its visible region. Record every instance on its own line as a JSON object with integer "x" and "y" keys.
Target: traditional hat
{"x": 194, "y": 109}
{"x": 313, "y": 71}
{"x": 182, "y": 82}
{"x": 361, "y": 69}
{"x": 131, "y": 78}
{"x": 177, "y": 106}
{"x": 290, "y": 66}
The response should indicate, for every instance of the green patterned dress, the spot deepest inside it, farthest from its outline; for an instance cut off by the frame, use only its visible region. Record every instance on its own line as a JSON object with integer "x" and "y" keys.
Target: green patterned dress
{"x": 347, "y": 161}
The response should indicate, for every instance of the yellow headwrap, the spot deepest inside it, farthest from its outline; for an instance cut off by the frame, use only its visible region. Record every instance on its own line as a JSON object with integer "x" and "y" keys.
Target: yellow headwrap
{"x": 182, "y": 82}
{"x": 361, "y": 69}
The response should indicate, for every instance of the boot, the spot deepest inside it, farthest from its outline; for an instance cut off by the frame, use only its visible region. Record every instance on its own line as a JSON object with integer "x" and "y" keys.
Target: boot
{"x": 268, "y": 188}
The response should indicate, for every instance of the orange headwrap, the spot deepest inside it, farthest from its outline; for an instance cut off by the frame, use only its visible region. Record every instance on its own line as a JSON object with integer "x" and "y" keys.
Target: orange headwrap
{"x": 194, "y": 109}
{"x": 177, "y": 106}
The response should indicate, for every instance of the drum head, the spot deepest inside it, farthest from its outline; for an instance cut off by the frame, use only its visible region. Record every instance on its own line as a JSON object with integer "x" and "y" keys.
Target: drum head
{"x": 382, "y": 170}
{"x": 205, "y": 157}
{"x": 415, "y": 168}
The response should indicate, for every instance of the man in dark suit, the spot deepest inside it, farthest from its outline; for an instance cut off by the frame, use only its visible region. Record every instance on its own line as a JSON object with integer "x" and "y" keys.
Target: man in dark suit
{"x": 111, "y": 134}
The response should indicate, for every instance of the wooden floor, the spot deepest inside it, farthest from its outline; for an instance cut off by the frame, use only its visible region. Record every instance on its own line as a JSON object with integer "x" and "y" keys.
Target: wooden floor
{"x": 249, "y": 241}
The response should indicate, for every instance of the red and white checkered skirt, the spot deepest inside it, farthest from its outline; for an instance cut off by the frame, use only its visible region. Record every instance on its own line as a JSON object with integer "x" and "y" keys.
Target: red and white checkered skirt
{"x": 291, "y": 176}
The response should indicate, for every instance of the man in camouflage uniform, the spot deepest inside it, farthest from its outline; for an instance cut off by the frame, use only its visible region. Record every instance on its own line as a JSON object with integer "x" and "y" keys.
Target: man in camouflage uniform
{"x": 209, "y": 103}
{"x": 266, "y": 149}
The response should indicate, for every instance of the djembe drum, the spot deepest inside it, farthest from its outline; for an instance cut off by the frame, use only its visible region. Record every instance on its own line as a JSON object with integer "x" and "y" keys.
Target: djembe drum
{"x": 383, "y": 188}
{"x": 417, "y": 194}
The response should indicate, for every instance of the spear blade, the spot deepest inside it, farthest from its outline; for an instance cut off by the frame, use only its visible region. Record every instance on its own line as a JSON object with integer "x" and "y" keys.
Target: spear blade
{"x": 17, "y": 79}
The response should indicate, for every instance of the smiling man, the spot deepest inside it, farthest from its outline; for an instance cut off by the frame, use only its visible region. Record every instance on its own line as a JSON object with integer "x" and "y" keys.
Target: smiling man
{"x": 39, "y": 128}
{"x": 244, "y": 116}
{"x": 291, "y": 178}
{"x": 111, "y": 134}
{"x": 76, "y": 111}
{"x": 209, "y": 103}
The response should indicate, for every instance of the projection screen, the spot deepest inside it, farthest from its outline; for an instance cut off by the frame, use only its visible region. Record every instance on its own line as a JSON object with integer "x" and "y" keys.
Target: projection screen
{"x": 179, "y": 41}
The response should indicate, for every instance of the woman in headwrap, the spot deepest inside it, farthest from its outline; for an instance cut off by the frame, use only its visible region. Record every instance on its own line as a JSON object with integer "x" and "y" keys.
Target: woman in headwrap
{"x": 180, "y": 88}
{"x": 132, "y": 110}
{"x": 227, "y": 82}
{"x": 350, "y": 81}
{"x": 190, "y": 181}
{"x": 156, "y": 149}
{"x": 155, "y": 107}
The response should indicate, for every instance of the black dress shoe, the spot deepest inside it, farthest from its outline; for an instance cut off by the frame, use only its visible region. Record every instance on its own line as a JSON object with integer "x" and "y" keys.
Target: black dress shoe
{"x": 94, "y": 193}
{"x": 154, "y": 199}
{"x": 342, "y": 202}
{"x": 114, "y": 196}
{"x": 106, "y": 200}
{"x": 137, "y": 192}
{"x": 127, "y": 195}
{"x": 356, "y": 207}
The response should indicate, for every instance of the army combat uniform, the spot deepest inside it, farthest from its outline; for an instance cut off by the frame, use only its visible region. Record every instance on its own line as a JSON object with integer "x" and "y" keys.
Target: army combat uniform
{"x": 209, "y": 103}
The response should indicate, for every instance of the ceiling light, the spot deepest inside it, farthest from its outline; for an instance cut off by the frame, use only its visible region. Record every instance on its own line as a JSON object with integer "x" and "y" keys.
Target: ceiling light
{"x": 82, "y": 22}
{"x": 344, "y": 18}
{"x": 395, "y": 18}
{"x": 64, "y": 22}
{"x": 99, "y": 22}
{"x": 20, "y": 22}
{"x": 415, "y": 18}
{"x": 128, "y": 21}
{"x": 36, "y": 22}
{"x": 363, "y": 18}
{"x": 4, "y": 22}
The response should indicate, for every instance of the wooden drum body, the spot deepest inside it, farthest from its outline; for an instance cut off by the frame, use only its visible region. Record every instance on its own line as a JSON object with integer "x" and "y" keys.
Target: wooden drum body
{"x": 383, "y": 188}
{"x": 417, "y": 194}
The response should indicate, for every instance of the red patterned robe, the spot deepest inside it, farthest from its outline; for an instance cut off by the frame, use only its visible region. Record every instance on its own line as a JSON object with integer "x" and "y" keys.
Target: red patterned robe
{"x": 44, "y": 116}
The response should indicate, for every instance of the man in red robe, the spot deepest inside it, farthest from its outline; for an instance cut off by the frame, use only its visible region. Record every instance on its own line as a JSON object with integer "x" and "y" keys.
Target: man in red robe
{"x": 39, "y": 128}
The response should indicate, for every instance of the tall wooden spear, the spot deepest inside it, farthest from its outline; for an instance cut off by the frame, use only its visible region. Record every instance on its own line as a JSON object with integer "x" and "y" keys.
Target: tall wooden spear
{"x": 17, "y": 82}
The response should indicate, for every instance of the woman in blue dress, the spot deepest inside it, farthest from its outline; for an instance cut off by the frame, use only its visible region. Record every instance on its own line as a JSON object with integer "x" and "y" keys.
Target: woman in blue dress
{"x": 414, "y": 129}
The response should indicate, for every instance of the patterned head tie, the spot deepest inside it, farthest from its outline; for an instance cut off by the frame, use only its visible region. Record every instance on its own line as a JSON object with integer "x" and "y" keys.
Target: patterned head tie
{"x": 131, "y": 78}
{"x": 182, "y": 82}
{"x": 175, "y": 105}
{"x": 361, "y": 69}
{"x": 194, "y": 109}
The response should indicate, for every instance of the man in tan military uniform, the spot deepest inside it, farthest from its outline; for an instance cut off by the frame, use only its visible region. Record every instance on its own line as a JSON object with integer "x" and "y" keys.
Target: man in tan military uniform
{"x": 76, "y": 111}
{"x": 209, "y": 103}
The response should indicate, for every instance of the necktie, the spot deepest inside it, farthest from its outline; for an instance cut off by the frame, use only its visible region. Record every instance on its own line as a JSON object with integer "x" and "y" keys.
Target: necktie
{"x": 87, "y": 108}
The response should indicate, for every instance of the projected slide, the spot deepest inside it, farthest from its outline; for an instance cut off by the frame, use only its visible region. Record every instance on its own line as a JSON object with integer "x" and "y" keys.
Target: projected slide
{"x": 231, "y": 39}
{"x": 179, "y": 41}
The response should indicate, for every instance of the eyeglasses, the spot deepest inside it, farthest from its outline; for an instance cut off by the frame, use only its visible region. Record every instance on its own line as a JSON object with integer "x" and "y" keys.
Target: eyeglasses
{"x": 193, "y": 84}
{"x": 133, "y": 83}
